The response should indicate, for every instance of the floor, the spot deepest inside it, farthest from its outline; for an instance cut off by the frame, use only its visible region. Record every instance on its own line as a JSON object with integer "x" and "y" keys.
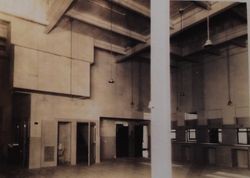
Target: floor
{"x": 122, "y": 169}
{"x": 111, "y": 169}
{"x": 187, "y": 171}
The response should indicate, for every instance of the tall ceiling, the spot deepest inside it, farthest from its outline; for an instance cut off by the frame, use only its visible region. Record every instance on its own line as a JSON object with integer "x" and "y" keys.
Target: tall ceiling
{"x": 228, "y": 27}
{"x": 126, "y": 24}
{"x": 122, "y": 23}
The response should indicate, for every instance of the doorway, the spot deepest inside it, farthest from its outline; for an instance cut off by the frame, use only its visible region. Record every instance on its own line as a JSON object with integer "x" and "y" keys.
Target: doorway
{"x": 64, "y": 143}
{"x": 86, "y": 143}
{"x": 141, "y": 144}
{"x": 82, "y": 143}
{"x": 138, "y": 130}
{"x": 122, "y": 141}
{"x": 18, "y": 151}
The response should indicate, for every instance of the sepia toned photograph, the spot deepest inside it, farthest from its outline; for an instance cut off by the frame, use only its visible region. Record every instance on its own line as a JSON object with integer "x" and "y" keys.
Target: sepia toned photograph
{"x": 209, "y": 89}
{"x": 124, "y": 89}
{"x": 75, "y": 88}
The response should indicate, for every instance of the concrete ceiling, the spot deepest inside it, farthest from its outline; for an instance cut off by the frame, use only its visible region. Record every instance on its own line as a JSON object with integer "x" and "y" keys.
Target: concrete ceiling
{"x": 228, "y": 26}
{"x": 126, "y": 24}
{"x": 122, "y": 23}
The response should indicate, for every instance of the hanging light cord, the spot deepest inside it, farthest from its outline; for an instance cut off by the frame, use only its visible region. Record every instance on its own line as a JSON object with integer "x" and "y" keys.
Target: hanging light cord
{"x": 181, "y": 11}
{"x": 208, "y": 28}
{"x": 177, "y": 94}
{"x": 228, "y": 77}
{"x": 132, "y": 83}
{"x": 110, "y": 41}
{"x": 131, "y": 62}
{"x": 71, "y": 48}
{"x": 180, "y": 95}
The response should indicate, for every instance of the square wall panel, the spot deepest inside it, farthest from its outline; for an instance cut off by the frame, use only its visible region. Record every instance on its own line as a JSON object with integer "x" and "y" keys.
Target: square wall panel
{"x": 25, "y": 68}
{"x": 80, "y": 78}
{"x": 54, "y": 73}
{"x": 82, "y": 47}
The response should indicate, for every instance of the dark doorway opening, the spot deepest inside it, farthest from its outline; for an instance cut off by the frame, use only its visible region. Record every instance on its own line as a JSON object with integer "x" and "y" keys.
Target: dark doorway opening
{"x": 18, "y": 150}
{"x": 82, "y": 143}
{"x": 214, "y": 135}
{"x": 138, "y": 130}
{"x": 122, "y": 141}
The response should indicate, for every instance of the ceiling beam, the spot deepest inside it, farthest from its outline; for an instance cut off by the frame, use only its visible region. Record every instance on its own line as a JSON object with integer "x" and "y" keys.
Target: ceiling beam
{"x": 197, "y": 15}
{"x": 134, "y": 51}
{"x": 220, "y": 38}
{"x": 239, "y": 43}
{"x": 109, "y": 47}
{"x": 228, "y": 35}
{"x": 145, "y": 55}
{"x": 56, "y": 12}
{"x": 106, "y": 25}
{"x": 241, "y": 14}
{"x": 134, "y": 6}
{"x": 203, "y": 4}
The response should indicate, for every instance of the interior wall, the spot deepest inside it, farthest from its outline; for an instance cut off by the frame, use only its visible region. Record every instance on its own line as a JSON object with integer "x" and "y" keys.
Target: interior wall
{"x": 6, "y": 99}
{"x": 107, "y": 100}
{"x": 186, "y": 90}
{"x": 29, "y": 9}
{"x": 128, "y": 97}
{"x": 216, "y": 86}
{"x": 108, "y": 138}
{"x": 203, "y": 88}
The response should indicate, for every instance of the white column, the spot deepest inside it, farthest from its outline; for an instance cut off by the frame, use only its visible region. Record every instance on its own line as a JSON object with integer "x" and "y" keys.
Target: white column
{"x": 248, "y": 38}
{"x": 160, "y": 90}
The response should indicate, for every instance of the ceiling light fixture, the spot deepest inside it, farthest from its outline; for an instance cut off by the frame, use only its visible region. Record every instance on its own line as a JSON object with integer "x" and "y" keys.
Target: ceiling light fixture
{"x": 208, "y": 42}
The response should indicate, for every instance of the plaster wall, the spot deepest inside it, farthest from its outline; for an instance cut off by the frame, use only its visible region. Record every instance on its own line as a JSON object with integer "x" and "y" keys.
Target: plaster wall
{"x": 186, "y": 91}
{"x": 28, "y": 9}
{"x": 216, "y": 86}
{"x": 203, "y": 88}
{"x": 5, "y": 96}
{"x": 107, "y": 100}
{"x": 39, "y": 56}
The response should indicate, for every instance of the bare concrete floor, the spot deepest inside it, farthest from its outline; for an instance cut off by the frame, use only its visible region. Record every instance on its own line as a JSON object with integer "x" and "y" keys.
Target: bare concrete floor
{"x": 187, "y": 171}
{"x": 122, "y": 169}
{"x": 110, "y": 169}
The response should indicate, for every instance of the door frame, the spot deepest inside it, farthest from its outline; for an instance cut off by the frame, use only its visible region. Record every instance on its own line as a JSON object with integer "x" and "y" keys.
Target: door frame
{"x": 71, "y": 131}
{"x": 89, "y": 138}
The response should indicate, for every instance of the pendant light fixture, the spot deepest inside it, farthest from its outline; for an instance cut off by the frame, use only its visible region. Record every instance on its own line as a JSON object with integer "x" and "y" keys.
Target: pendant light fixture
{"x": 208, "y": 42}
{"x": 111, "y": 80}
